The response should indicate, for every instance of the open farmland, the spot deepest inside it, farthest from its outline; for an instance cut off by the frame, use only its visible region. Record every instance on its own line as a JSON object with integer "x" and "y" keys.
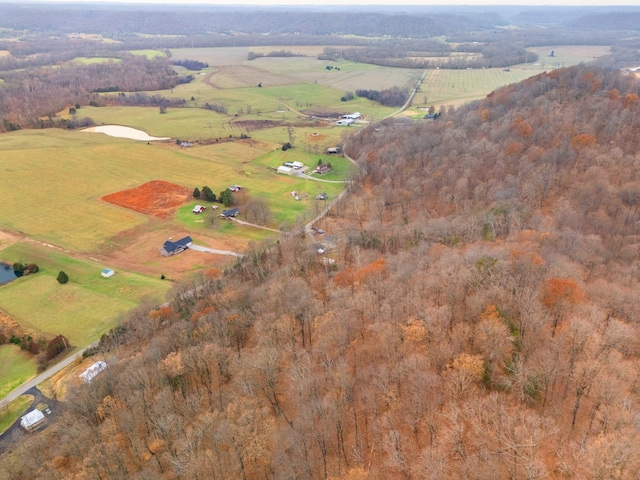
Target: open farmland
{"x": 239, "y": 76}
{"x": 82, "y": 309}
{"x": 91, "y": 166}
{"x": 567, "y": 55}
{"x": 455, "y": 87}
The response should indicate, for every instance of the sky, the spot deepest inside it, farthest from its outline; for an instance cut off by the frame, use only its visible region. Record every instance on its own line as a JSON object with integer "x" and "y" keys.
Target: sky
{"x": 264, "y": 3}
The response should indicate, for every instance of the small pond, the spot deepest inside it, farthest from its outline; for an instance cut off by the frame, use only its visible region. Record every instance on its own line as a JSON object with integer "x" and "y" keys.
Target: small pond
{"x": 123, "y": 132}
{"x": 6, "y": 273}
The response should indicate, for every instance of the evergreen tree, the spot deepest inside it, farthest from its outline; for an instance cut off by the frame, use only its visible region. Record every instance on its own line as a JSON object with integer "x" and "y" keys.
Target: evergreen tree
{"x": 208, "y": 194}
{"x": 226, "y": 198}
{"x": 196, "y": 193}
{"x": 62, "y": 277}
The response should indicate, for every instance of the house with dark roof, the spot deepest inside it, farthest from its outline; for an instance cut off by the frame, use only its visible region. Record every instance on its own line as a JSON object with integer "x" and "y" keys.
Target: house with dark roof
{"x": 232, "y": 212}
{"x": 172, "y": 248}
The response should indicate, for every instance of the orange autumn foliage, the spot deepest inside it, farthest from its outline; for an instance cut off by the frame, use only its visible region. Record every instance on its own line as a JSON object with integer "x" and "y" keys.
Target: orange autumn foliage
{"x": 582, "y": 141}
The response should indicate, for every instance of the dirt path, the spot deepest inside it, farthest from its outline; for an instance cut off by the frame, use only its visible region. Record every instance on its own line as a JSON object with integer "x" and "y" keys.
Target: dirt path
{"x": 242, "y": 222}
{"x": 200, "y": 248}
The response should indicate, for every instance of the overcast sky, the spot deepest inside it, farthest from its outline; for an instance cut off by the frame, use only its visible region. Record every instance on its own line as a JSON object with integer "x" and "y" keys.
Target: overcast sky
{"x": 368, "y": 2}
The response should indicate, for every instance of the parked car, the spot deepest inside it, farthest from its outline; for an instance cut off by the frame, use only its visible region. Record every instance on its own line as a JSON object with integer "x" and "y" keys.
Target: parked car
{"x": 322, "y": 196}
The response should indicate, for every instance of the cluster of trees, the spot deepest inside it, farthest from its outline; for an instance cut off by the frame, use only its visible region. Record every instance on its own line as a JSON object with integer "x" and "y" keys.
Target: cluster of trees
{"x": 29, "y": 95}
{"x": 195, "y": 65}
{"x": 273, "y": 53}
{"x": 45, "y": 351}
{"x": 216, "y": 107}
{"x": 413, "y": 54}
{"x": 480, "y": 319}
{"x": 226, "y": 196}
{"x": 390, "y": 97}
{"x": 20, "y": 269}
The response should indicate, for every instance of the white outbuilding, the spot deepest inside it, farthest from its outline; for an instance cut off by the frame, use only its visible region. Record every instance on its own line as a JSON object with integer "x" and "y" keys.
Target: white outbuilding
{"x": 285, "y": 170}
{"x": 32, "y": 420}
{"x": 90, "y": 373}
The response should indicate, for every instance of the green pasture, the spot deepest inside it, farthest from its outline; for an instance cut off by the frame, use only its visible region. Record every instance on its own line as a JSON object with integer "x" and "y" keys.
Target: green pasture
{"x": 149, "y": 53}
{"x": 184, "y": 123}
{"x": 82, "y": 309}
{"x": 91, "y": 165}
{"x": 345, "y": 76}
{"x": 16, "y": 367}
{"x": 238, "y": 55}
{"x": 91, "y": 60}
{"x": 258, "y": 178}
{"x": 443, "y": 87}
{"x": 566, "y": 55}
{"x": 221, "y": 228}
{"x": 13, "y": 411}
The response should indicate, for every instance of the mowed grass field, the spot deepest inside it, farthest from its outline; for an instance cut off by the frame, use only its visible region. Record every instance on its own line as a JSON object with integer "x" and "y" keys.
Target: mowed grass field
{"x": 13, "y": 411}
{"x": 82, "y": 309}
{"x": 16, "y": 367}
{"x": 73, "y": 170}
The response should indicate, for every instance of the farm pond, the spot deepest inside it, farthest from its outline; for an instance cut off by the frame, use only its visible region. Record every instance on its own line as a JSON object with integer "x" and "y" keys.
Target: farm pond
{"x": 6, "y": 273}
{"x": 124, "y": 132}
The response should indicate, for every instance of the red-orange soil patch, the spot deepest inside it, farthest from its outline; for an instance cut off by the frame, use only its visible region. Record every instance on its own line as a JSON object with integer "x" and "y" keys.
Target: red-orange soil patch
{"x": 158, "y": 198}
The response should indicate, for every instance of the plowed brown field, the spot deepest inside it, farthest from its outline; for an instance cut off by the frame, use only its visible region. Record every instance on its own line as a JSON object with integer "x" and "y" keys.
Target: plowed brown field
{"x": 158, "y": 198}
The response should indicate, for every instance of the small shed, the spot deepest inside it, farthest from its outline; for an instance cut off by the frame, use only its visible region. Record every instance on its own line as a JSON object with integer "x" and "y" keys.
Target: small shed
{"x": 333, "y": 151}
{"x": 298, "y": 165}
{"x": 345, "y": 122}
{"x": 32, "y": 420}
{"x": 198, "y": 209}
{"x": 107, "y": 272}
{"x": 92, "y": 371}
{"x": 283, "y": 169}
{"x": 172, "y": 248}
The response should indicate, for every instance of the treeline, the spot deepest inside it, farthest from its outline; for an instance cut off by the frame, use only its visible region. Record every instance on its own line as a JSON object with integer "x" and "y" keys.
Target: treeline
{"x": 274, "y": 53}
{"x": 190, "y": 64}
{"x": 27, "y": 96}
{"x": 121, "y": 21}
{"x": 479, "y": 319}
{"x": 390, "y": 97}
{"x": 393, "y": 55}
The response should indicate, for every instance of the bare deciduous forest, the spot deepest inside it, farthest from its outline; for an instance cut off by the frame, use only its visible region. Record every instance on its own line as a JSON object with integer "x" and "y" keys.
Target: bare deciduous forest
{"x": 480, "y": 320}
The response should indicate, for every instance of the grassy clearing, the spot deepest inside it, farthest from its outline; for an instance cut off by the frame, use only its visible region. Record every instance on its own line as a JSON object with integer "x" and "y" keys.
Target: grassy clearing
{"x": 567, "y": 55}
{"x": 90, "y": 166}
{"x": 149, "y": 53}
{"x": 91, "y": 60}
{"x": 238, "y": 55}
{"x": 16, "y": 367}
{"x": 13, "y": 411}
{"x": 453, "y": 87}
{"x": 82, "y": 309}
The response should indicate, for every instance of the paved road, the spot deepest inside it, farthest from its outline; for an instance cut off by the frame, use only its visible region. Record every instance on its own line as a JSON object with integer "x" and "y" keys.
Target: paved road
{"x": 8, "y": 438}
{"x": 44, "y": 375}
